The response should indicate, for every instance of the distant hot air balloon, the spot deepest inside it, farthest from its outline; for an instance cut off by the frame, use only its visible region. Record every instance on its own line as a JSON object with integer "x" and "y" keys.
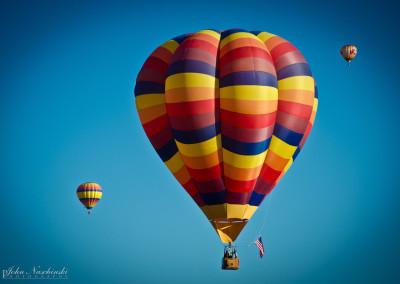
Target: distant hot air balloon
{"x": 227, "y": 112}
{"x": 89, "y": 193}
{"x": 348, "y": 52}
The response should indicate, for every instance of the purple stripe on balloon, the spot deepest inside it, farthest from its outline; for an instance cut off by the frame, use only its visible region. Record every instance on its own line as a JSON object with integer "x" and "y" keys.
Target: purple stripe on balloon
{"x": 191, "y": 66}
{"x": 292, "y": 122}
{"x": 262, "y": 187}
{"x": 237, "y": 198}
{"x": 195, "y": 54}
{"x": 211, "y": 186}
{"x": 246, "y": 134}
{"x": 198, "y": 199}
{"x": 288, "y": 59}
{"x": 159, "y": 139}
{"x": 248, "y": 78}
{"x": 195, "y": 121}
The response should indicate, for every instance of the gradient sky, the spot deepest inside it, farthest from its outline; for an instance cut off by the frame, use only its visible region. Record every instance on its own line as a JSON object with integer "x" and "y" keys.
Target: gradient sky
{"x": 67, "y": 114}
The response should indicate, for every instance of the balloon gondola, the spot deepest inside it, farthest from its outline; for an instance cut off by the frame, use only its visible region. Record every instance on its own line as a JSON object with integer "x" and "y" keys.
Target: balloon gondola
{"x": 227, "y": 112}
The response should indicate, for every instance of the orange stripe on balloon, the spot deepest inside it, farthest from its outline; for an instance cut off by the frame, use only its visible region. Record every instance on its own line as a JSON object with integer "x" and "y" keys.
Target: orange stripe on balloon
{"x": 182, "y": 176}
{"x": 162, "y": 53}
{"x": 297, "y": 96}
{"x": 241, "y": 174}
{"x": 275, "y": 161}
{"x": 206, "y": 38}
{"x": 240, "y": 42}
{"x": 249, "y": 106}
{"x": 187, "y": 94}
{"x": 203, "y": 162}
{"x": 272, "y": 42}
{"x": 148, "y": 114}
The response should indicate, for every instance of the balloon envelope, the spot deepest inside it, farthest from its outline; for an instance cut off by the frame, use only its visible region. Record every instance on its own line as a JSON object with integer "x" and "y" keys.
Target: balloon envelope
{"x": 227, "y": 112}
{"x": 89, "y": 193}
{"x": 348, "y": 52}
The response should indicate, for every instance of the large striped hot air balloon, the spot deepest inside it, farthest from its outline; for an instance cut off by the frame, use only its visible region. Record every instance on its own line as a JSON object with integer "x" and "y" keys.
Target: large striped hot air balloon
{"x": 89, "y": 193}
{"x": 227, "y": 112}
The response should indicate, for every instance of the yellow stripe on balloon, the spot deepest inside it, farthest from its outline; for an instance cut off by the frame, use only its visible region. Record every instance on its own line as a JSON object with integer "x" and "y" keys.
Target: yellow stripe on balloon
{"x": 200, "y": 149}
{"x": 249, "y": 92}
{"x": 149, "y": 100}
{"x": 171, "y": 45}
{"x": 288, "y": 165}
{"x": 237, "y": 36}
{"x": 190, "y": 80}
{"x": 281, "y": 148}
{"x": 89, "y": 194}
{"x": 264, "y": 36}
{"x": 315, "y": 105}
{"x": 211, "y": 33}
{"x": 297, "y": 82}
{"x": 175, "y": 163}
{"x": 243, "y": 161}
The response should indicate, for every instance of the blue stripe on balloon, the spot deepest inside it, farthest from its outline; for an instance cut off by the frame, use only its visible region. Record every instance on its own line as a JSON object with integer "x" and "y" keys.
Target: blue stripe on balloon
{"x": 180, "y": 39}
{"x": 256, "y": 199}
{"x": 316, "y": 92}
{"x": 297, "y": 69}
{"x": 89, "y": 198}
{"x": 232, "y": 31}
{"x": 194, "y": 66}
{"x": 214, "y": 198}
{"x": 256, "y": 33}
{"x": 148, "y": 87}
{"x": 167, "y": 151}
{"x": 289, "y": 136}
{"x": 248, "y": 78}
{"x": 244, "y": 148}
{"x": 296, "y": 153}
{"x": 197, "y": 135}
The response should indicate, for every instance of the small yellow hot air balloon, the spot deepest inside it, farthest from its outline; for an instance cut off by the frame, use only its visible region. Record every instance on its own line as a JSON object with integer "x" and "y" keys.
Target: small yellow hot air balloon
{"x": 348, "y": 52}
{"x": 89, "y": 193}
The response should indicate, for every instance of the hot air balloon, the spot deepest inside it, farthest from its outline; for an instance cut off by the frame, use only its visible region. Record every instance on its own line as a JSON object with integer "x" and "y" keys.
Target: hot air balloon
{"x": 348, "y": 52}
{"x": 227, "y": 112}
{"x": 89, "y": 193}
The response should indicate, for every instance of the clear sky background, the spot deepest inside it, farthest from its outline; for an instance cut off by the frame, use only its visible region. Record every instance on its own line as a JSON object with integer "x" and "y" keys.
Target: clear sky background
{"x": 67, "y": 116}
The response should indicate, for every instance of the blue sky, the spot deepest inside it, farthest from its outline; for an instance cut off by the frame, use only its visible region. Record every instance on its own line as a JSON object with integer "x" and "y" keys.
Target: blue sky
{"x": 67, "y": 116}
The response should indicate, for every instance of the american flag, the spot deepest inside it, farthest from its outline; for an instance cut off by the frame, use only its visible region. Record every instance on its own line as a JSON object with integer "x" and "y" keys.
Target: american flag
{"x": 260, "y": 245}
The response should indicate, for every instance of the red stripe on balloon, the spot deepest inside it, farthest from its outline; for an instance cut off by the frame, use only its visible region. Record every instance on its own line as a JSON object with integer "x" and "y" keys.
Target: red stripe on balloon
{"x": 299, "y": 110}
{"x": 281, "y": 49}
{"x": 239, "y": 185}
{"x": 199, "y": 44}
{"x": 192, "y": 108}
{"x": 156, "y": 64}
{"x": 156, "y": 125}
{"x": 269, "y": 174}
{"x": 242, "y": 52}
{"x": 206, "y": 174}
{"x": 248, "y": 120}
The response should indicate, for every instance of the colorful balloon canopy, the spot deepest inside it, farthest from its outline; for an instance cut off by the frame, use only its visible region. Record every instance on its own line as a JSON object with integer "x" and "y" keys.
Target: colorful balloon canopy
{"x": 89, "y": 193}
{"x": 227, "y": 112}
{"x": 348, "y": 52}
